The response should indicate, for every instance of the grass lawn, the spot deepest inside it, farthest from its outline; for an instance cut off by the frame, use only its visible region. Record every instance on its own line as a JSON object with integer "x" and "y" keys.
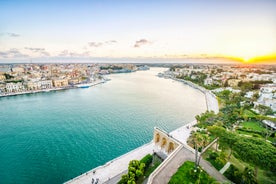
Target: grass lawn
{"x": 249, "y": 134}
{"x": 249, "y": 113}
{"x": 236, "y": 162}
{"x": 186, "y": 175}
{"x": 253, "y": 125}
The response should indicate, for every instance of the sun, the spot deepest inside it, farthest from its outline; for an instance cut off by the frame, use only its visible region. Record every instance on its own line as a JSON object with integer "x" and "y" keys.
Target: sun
{"x": 246, "y": 59}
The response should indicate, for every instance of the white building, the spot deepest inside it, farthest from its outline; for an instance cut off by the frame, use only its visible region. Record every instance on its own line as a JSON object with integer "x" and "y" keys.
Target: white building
{"x": 249, "y": 94}
{"x": 46, "y": 84}
{"x": 15, "y": 87}
{"x": 18, "y": 69}
{"x": 38, "y": 85}
{"x": 268, "y": 96}
{"x": 208, "y": 81}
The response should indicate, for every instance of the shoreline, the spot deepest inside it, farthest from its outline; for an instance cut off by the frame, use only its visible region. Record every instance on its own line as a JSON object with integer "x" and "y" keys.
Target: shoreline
{"x": 47, "y": 90}
{"x": 210, "y": 97}
{"x": 181, "y": 134}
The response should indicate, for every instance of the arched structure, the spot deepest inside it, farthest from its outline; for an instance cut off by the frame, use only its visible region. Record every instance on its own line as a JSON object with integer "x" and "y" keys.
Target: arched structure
{"x": 171, "y": 147}
{"x": 157, "y": 138}
{"x": 164, "y": 141}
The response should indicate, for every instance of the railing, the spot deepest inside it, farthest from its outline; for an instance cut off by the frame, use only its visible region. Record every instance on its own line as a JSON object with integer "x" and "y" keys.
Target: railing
{"x": 163, "y": 164}
{"x": 209, "y": 145}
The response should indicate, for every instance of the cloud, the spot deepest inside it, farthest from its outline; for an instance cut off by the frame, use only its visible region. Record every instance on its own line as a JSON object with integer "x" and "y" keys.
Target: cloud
{"x": 66, "y": 53}
{"x": 13, "y": 34}
{"x": 95, "y": 44}
{"x": 40, "y": 51}
{"x": 141, "y": 42}
{"x": 10, "y": 34}
{"x": 100, "y": 44}
{"x": 44, "y": 53}
{"x": 34, "y": 49}
{"x": 111, "y": 42}
{"x": 12, "y": 53}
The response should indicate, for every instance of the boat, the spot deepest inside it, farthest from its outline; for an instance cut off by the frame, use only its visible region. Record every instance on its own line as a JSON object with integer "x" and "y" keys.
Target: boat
{"x": 83, "y": 85}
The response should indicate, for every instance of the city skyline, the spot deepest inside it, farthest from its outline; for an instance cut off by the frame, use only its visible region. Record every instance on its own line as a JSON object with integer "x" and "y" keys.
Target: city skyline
{"x": 139, "y": 30}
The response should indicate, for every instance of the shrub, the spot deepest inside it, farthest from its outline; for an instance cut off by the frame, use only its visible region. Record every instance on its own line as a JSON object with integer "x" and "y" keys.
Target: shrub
{"x": 146, "y": 160}
{"x": 233, "y": 174}
{"x": 213, "y": 155}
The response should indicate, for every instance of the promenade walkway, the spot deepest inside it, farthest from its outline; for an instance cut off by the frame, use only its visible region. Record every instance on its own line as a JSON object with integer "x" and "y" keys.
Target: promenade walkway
{"x": 114, "y": 167}
{"x": 212, "y": 102}
{"x": 183, "y": 133}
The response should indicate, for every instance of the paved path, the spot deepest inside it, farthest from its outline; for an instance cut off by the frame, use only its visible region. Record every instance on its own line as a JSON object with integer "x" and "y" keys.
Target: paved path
{"x": 113, "y": 168}
{"x": 163, "y": 177}
{"x": 225, "y": 167}
{"x": 211, "y": 101}
{"x": 183, "y": 133}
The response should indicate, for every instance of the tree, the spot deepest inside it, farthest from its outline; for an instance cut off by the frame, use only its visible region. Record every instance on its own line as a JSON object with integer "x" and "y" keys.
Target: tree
{"x": 248, "y": 176}
{"x": 255, "y": 96}
{"x": 135, "y": 170}
{"x": 226, "y": 139}
{"x": 265, "y": 110}
{"x": 197, "y": 141}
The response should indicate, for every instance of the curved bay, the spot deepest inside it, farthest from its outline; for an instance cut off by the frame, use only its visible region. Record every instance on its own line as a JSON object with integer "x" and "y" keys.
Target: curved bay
{"x": 52, "y": 137}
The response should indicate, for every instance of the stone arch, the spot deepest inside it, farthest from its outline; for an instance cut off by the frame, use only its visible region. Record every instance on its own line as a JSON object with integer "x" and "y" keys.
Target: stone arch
{"x": 157, "y": 138}
{"x": 171, "y": 147}
{"x": 164, "y": 142}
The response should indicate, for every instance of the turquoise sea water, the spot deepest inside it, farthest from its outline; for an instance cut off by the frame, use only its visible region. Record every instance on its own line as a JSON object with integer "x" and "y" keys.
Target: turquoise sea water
{"x": 55, "y": 136}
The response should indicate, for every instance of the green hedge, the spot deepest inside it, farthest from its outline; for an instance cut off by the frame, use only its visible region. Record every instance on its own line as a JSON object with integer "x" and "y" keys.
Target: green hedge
{"x": 147, "y": 160}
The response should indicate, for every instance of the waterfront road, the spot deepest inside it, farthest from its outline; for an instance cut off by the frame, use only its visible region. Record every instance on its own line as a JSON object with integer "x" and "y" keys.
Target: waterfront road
{"x": 113, "y": 169}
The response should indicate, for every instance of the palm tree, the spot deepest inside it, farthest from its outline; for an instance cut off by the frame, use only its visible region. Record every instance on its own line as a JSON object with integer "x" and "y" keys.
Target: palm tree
{"x": 197, "y": 141}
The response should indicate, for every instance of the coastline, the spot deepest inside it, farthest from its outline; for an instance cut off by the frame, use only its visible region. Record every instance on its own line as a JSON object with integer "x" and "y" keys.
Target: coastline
{"x": 105, "y": 172}
{"x": 47, "y": 90}
{"x": 210, "y": 97}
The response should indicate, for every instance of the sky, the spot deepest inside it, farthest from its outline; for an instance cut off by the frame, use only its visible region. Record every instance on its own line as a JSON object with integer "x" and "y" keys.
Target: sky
{"x": 64, "y": 30}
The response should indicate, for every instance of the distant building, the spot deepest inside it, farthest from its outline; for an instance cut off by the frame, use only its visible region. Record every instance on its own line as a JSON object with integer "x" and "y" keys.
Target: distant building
{"x": 2, "y": 88}
{"x": 18, "y": 69}
{"x": 74, "y": 81}
{"x": 60, "y": 82}
{"x": 46, "y": 84}
{"x": 38, "y": 85}
{"x": 208, "y": 81}
{"x": 268, "y": 96}
{"x": 2, "y": 77}
{"x": 233, "y": 82}
{"x": 14, "y": 87}
{"x": 32, "y": 85}
{"x": 249, "y": 94}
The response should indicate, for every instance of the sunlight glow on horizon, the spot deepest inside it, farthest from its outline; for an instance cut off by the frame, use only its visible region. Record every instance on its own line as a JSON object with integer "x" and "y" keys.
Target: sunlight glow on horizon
{"x": 243, "y": 31}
